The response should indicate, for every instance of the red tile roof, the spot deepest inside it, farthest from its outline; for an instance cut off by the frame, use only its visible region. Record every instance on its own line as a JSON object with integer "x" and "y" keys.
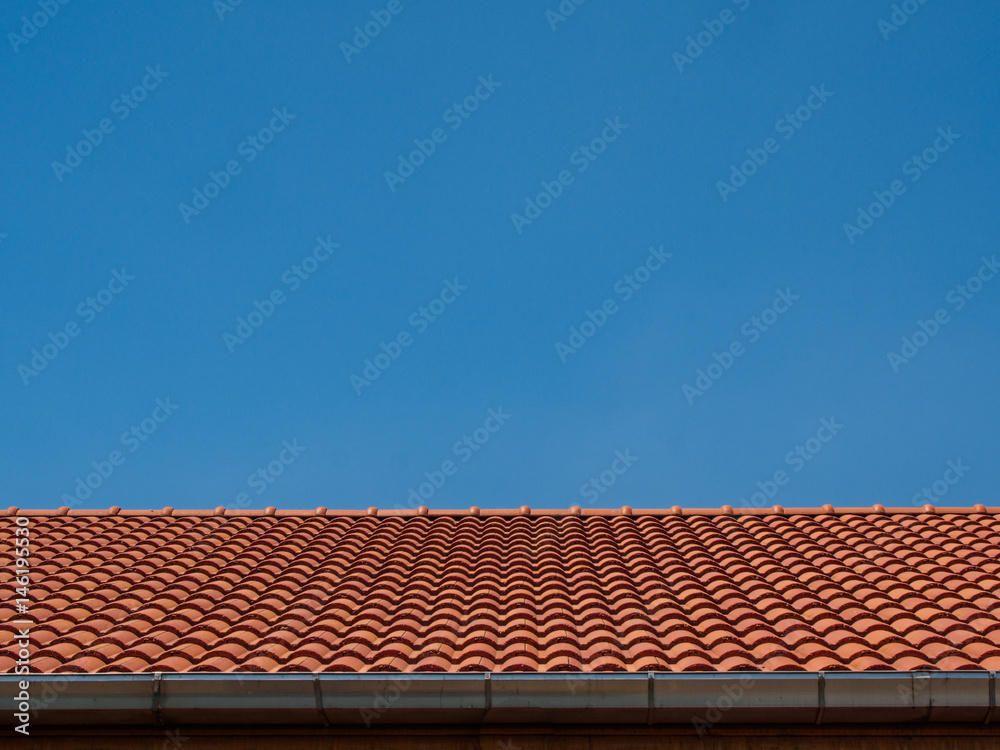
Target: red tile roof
{"x": 500, "y": 591}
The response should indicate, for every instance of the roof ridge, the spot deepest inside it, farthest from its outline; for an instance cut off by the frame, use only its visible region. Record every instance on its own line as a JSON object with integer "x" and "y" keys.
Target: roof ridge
{"x": 524, "y": 510}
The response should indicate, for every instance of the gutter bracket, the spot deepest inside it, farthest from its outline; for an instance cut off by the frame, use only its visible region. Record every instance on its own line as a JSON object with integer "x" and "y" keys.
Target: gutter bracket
{"x": 649, "y": 709}
{"x": 319, "y": 700}
{"x": 930, "y": 694}
{"x": 993, "y": 696}
{"x": 488, "y": 690}
{"x": 821, "y": 677}
{"x": 157, "y": 719}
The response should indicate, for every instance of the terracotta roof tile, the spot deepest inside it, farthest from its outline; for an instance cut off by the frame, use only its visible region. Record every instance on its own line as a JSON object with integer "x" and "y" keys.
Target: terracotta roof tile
{"x": 506, "y": 591}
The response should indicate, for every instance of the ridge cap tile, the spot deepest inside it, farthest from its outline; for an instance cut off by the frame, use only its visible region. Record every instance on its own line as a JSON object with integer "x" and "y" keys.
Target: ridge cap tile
{"x": 925, "y": 513}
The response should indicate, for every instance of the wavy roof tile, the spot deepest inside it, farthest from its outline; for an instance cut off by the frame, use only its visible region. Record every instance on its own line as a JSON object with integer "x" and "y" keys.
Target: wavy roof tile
{"x": 503, "y": 591}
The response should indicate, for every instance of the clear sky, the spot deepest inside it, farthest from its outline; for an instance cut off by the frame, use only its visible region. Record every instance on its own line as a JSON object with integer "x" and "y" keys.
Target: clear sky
{"x": 499, "y": 254}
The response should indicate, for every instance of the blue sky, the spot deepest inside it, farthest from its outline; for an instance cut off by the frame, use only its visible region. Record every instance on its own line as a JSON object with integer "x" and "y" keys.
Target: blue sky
{"x": 535, "y": 228}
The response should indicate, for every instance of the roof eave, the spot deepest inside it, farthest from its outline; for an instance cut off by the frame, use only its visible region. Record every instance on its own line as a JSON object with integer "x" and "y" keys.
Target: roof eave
{"x": 324, "y": 699}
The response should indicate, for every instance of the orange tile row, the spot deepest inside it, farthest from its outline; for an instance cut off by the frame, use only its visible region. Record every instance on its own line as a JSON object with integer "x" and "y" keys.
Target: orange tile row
{"x": 518, "y": 590}
{"x": 524, "y": 510}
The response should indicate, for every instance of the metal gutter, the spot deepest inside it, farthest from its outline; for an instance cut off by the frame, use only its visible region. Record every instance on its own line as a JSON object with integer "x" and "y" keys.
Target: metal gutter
{"x": 696, "y": 699}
